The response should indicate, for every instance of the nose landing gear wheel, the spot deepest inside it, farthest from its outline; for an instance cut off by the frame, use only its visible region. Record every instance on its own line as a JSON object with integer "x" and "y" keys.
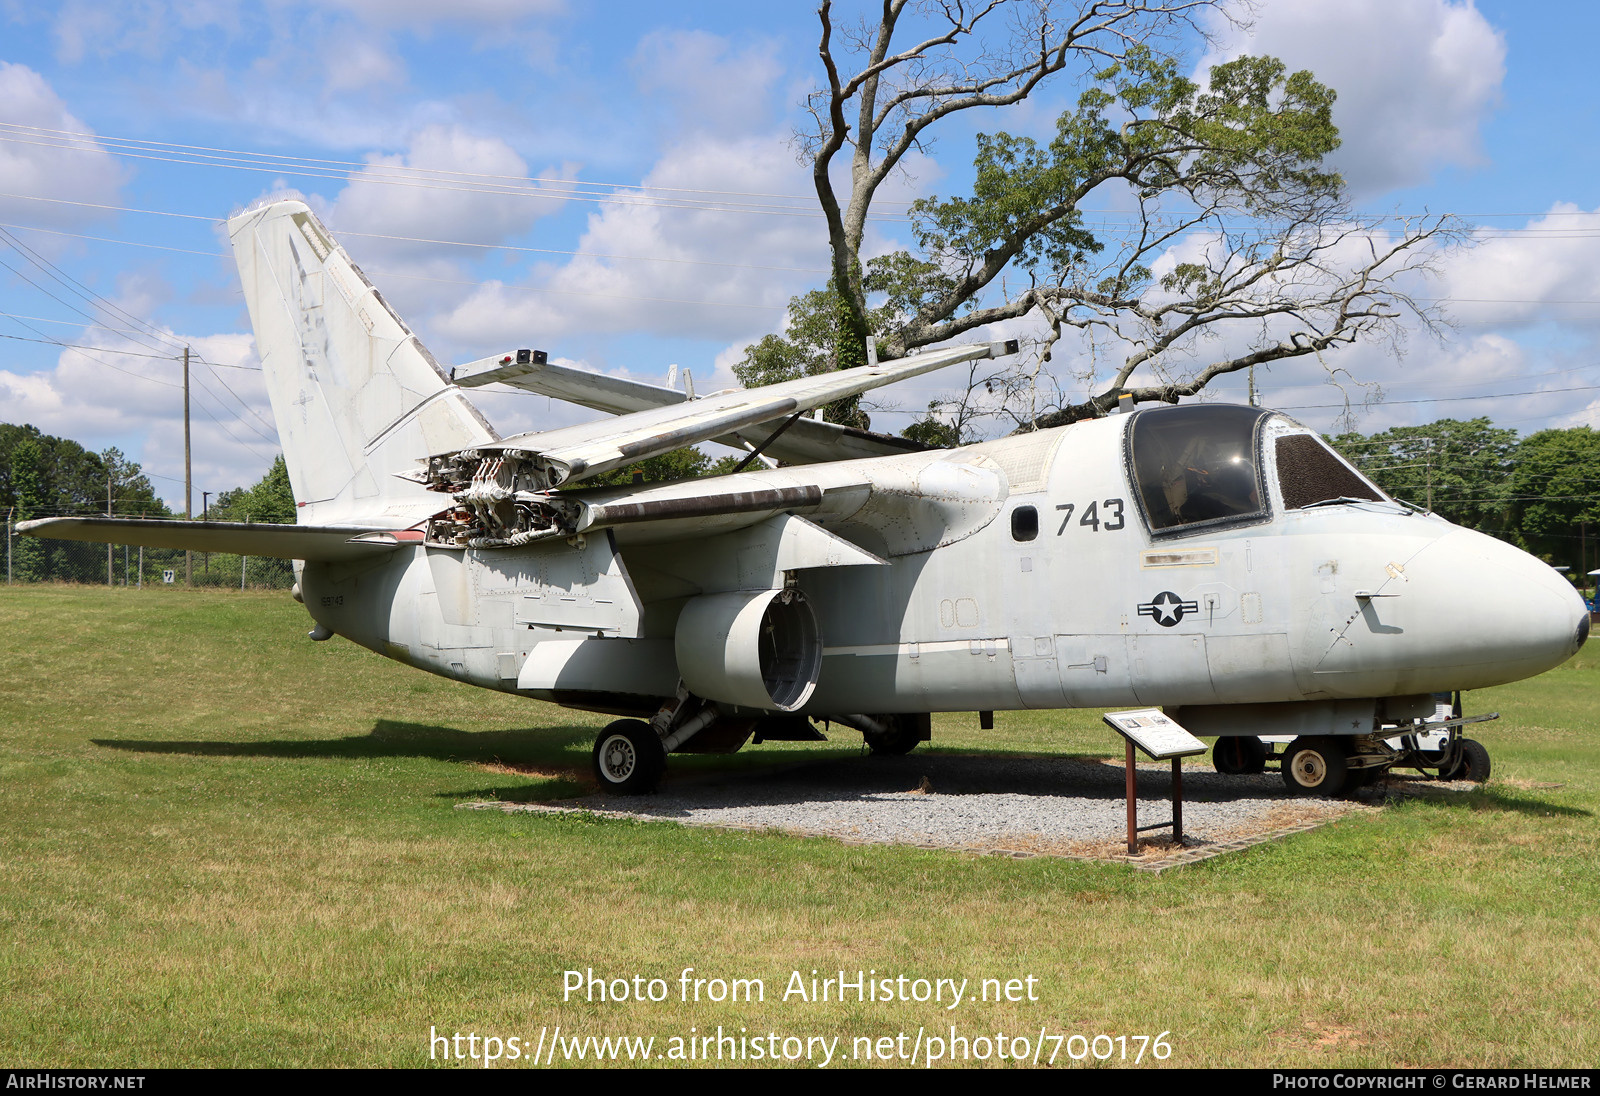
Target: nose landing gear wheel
{"x": 629, "y": 758}
{"x": 1315, "y": 765}
{"x": 1473, "y": 766}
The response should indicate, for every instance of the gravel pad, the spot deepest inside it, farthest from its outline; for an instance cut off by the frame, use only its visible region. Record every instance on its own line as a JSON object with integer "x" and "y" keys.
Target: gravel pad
{"x": 1023, "y": 805}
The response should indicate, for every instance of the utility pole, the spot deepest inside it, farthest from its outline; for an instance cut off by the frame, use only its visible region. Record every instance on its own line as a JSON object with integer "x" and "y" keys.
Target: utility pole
{"x": 110, "y": 547}
{"x": 188, "y": 478}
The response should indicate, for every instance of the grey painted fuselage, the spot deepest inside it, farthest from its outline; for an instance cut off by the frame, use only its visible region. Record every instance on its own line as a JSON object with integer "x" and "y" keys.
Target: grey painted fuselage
{"x": 968, "y": 611}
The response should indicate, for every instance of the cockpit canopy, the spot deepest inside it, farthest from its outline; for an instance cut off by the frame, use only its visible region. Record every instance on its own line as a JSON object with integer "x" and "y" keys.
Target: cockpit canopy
{"x": 1201, "y": 466}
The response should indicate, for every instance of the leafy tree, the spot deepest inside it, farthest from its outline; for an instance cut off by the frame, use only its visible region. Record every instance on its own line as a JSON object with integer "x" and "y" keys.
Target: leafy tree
{"x": 809, "y": 346}
{"x": 270, "y": 500}
{"x": 1460, "y": 470}
{"x": 1556, "y": 488}
{"x": 26, "y": 484}
{"x": 72, "y": 480}
{"x": 679, "y": 464}
{"x": 1282, "y": 266}
{"x": 933, "y": 431}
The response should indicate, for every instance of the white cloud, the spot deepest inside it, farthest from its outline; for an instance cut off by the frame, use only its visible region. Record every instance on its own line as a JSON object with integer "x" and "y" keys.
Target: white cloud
{"x": 696, "y": 81}
{"x": 82, "y": 28}
{"x": 715, "y": 271}
{"x": 426, "y": 13}
{"x": 1416, "y": 79}
{"x": 353, "y": 61}
{"x": 450, "y": 185}
{"x": 1518, "y": 276}
{"x": 41, "y": 166}
{"x": 118, "y": 394}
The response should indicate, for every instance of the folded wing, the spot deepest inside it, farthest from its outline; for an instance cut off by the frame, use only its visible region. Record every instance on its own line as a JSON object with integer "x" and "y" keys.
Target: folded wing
{"x": 580, "y": 452}
{"x": 805, "y": 441}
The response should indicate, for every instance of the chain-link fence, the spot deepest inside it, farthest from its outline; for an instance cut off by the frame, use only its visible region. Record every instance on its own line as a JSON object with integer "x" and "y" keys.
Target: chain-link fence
{"x": 28, "y": 559}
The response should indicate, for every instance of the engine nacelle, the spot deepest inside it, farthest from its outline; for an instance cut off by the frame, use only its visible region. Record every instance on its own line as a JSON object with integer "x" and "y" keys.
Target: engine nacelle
{"x": 757, "y": 649}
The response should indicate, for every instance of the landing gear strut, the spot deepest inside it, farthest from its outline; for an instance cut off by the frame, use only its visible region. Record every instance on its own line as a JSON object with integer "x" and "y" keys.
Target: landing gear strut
{"x": 630, "y": 756}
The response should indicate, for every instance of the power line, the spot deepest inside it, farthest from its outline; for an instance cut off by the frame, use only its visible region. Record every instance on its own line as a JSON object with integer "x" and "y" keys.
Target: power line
{"x": 394, "y": 175}
{"x": 113, "y": 240}
{"x": 362, "y": 165}
{"x": 385, "y": 236}
{"x": 149, "y": 330}
{"x": 1445, "y": 399}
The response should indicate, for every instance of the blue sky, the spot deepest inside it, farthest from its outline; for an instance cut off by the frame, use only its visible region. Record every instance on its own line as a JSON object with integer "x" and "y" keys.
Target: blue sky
{"x": 1481, "y": 110}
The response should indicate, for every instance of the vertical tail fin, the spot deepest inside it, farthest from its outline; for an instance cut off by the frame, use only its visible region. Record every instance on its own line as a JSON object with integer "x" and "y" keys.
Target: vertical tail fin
{"x": 356, "y": 396}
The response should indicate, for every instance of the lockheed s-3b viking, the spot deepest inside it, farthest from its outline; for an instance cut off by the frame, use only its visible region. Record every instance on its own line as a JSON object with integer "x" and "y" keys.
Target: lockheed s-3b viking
{"x": 1218, "y": 560}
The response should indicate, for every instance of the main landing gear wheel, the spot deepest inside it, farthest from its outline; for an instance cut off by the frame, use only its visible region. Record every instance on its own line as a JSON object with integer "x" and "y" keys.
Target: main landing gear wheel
{"x": 1361, "y": 778}
{"x": 1239, "y": 755}
{"x": 1315, "y": 765}
{"x": 901, "y": 734}
{"x": 1473, "y": 765}
{"x": 629, "y": 758}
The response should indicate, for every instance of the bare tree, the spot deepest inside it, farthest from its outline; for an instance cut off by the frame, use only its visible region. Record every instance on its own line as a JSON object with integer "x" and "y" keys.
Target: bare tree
{"x": 1237, "y": 248}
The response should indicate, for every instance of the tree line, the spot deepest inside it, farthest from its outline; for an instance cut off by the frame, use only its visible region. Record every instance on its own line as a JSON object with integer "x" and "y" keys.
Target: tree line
{"x": 1541, "y": 492}
{"x": 44, "y": 476}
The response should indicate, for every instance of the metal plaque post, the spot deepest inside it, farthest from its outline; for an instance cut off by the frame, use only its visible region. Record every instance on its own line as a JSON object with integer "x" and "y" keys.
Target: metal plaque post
{"x": 1161, "y": 738}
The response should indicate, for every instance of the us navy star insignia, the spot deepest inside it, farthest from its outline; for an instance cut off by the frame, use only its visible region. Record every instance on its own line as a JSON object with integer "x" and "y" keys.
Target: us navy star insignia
{"x": 1167, "y": 608}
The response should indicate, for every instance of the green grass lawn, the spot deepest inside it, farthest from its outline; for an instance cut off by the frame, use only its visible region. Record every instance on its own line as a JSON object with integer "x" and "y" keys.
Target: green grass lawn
{"x": 223, "y": 844}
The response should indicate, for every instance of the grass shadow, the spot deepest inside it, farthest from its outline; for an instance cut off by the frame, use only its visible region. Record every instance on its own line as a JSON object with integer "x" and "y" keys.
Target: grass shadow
{"x": 1483, "y": 797}
{"x": 534, "y": 747}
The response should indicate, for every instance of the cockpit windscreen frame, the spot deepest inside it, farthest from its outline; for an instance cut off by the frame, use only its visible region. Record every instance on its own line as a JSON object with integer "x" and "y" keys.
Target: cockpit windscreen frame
{"x": 1197, "y": 468}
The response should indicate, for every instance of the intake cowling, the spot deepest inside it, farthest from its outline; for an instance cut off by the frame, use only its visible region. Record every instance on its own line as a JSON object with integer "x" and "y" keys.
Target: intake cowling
{"x": 756, "y": 649}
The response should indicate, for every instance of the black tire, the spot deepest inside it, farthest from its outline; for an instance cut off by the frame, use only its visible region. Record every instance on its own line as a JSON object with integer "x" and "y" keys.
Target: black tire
{"x": 1239, "y": 755}
{"x": 1316, "y": 766}
{"x": 628, "y": 758}
{"x": 1361, "y": 778}
{"x": 901, "y": 734}
{"x": 1473, "y": 764}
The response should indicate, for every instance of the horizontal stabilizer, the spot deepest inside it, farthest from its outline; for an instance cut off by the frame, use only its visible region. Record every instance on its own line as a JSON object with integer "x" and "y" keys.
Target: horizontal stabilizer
{"x": 578, "y": 452}
{"x": 327, "y": 544}
{"x": 806, "y": 441}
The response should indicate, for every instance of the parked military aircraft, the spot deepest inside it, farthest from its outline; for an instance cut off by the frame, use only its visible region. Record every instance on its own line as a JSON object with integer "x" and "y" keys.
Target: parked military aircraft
{"x": 1219, "y": 560}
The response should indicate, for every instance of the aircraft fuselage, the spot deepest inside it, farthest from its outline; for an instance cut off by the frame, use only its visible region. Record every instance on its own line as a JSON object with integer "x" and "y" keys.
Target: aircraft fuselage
{"x": 1062, "y": 596}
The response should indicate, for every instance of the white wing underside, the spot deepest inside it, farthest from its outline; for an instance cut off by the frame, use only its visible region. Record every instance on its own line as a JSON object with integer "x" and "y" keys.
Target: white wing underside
{"x": 590, "y": 449}
{"x": 806, "y": 441}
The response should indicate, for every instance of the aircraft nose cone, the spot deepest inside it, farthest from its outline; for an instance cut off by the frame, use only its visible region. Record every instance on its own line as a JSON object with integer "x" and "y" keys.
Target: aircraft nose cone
{"x": 1514, "y": 609}
{"x": 1465, "y": 612}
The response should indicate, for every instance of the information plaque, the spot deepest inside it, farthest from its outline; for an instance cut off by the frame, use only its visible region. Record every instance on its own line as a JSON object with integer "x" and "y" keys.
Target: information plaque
{"x": 1156, "y": 733}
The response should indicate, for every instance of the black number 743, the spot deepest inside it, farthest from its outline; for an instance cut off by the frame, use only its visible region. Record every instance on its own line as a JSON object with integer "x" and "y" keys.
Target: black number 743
{"x": 1091, "y": 516}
